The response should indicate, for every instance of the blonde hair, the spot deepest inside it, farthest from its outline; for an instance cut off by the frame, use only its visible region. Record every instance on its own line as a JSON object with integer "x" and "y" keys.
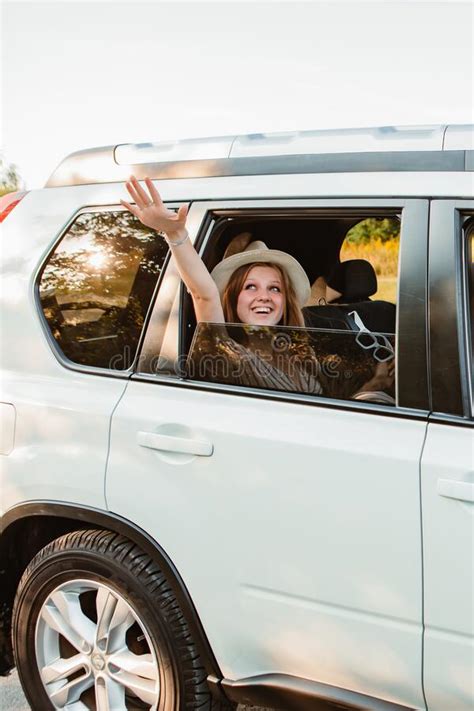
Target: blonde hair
{"x": 292, "y": 314}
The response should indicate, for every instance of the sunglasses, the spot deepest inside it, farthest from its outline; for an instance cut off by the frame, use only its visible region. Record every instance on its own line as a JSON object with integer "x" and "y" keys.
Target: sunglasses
{"x": 383, "y": 350}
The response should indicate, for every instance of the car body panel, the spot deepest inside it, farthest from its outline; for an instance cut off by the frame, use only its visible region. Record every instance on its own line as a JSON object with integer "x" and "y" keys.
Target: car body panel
{"x": 448, "y": 553}
{"x": 62, "y": 416}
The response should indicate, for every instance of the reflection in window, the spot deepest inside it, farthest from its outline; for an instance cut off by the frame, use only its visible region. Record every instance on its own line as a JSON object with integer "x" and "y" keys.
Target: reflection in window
{"x": 356, "y": 364}
{"x": 97, "y": 285}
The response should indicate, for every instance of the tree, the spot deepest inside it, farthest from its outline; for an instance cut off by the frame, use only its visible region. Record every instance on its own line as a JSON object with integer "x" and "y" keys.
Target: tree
{"x": 384, "y": 229}
{"x": 10, "y": 179}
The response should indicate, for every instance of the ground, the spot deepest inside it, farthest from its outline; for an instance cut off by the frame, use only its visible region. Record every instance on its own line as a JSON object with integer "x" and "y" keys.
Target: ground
{"x": 12, "y": 699}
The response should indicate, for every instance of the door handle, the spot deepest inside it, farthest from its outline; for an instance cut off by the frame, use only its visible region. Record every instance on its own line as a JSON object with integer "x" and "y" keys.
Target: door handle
{"x": 168, "y": 443}
{"x": 452, "y": 489}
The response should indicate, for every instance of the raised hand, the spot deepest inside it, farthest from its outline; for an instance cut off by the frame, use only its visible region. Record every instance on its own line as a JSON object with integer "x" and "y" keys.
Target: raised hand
{"x": 385, "y": 374}
{"x": 151, "y": 211}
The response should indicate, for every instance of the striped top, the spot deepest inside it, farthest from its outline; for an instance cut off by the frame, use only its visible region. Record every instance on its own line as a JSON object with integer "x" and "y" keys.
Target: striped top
{"x": 255, "y": 371}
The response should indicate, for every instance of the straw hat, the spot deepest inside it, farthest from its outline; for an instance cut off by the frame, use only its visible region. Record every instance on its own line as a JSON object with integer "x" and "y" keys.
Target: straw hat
{"x": 258, "y": 252}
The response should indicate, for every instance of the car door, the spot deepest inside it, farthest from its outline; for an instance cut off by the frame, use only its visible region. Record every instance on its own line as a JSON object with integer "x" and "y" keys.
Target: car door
{"x": 294, "y": 521}
{"x": 448, "y": 465}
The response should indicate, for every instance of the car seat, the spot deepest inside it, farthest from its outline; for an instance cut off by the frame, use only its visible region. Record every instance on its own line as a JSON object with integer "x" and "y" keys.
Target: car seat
{"x": 356, "y": 281}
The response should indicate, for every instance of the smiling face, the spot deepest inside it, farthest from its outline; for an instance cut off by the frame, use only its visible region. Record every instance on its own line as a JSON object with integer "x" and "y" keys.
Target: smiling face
{"x": 261, "y": 300}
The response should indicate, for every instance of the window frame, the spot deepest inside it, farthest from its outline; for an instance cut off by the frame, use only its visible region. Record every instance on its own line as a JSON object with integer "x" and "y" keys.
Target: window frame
{"x": 452, "y": 389}
{"x": 413, "y": 395}
{"x": 468, "y": 298}
{"x": 57, "y": 352}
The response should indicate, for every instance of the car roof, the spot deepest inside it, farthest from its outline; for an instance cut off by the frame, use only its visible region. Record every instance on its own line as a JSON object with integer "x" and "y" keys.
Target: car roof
{"x": 386, "y": 148}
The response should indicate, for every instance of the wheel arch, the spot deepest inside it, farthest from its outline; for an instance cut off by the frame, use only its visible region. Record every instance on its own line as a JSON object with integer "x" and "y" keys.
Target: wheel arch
{"x": 27, "y": 528}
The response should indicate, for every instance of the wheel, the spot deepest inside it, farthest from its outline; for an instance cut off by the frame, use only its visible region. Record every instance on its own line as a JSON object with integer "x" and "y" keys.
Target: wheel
{"x": 97, "y": 627}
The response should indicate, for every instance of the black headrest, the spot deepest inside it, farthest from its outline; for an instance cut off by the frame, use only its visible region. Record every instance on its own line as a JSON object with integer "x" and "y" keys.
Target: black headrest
{"x": 354, "y": 279}
{"x": 328, "y": 316}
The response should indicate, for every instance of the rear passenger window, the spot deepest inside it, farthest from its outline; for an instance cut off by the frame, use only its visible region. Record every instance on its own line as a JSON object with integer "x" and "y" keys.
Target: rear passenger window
{"x": 96, "y": 287}
{"x": 346, "y": 349}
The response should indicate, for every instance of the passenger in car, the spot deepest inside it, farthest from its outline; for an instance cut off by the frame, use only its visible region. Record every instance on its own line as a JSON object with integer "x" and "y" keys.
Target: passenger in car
{"x": 273, "y": 294}
{"x": 257, "y": 287}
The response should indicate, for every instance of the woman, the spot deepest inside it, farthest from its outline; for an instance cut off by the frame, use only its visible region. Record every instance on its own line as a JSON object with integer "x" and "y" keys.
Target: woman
{"x": 259, "y": 286}
{"x": 256, "y": 287}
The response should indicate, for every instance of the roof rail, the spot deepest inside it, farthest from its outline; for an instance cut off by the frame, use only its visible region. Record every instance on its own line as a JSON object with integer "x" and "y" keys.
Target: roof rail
{"x": 334, "y": 150}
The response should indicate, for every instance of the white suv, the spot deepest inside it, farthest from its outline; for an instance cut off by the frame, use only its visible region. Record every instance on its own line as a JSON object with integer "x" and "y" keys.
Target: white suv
{"x": 174, "y": 537}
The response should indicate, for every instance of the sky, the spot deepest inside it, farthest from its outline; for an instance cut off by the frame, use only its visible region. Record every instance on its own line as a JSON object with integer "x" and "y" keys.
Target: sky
{"x": 78, "y": 74}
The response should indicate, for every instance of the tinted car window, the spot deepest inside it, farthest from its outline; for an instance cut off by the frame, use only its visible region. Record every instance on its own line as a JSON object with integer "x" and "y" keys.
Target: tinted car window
{"x": 96, "y": 287}
{"x": 355, "y": 364}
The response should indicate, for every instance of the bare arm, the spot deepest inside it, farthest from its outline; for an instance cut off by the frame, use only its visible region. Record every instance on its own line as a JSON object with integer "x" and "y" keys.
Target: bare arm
{"x": 151, "y": 211}
{"x": 382, "y": 379}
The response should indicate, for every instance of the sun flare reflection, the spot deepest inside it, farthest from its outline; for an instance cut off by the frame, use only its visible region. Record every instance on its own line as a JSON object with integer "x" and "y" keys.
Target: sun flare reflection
{"x": 97, "y": 259}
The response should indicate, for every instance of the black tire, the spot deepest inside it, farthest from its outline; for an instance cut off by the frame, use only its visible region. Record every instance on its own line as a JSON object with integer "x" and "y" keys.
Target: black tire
{"x": 72, "y": 568}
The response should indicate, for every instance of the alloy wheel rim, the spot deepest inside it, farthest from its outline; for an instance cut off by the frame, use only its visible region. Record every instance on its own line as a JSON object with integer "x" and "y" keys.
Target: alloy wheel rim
{"x": 93, "y": 650}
